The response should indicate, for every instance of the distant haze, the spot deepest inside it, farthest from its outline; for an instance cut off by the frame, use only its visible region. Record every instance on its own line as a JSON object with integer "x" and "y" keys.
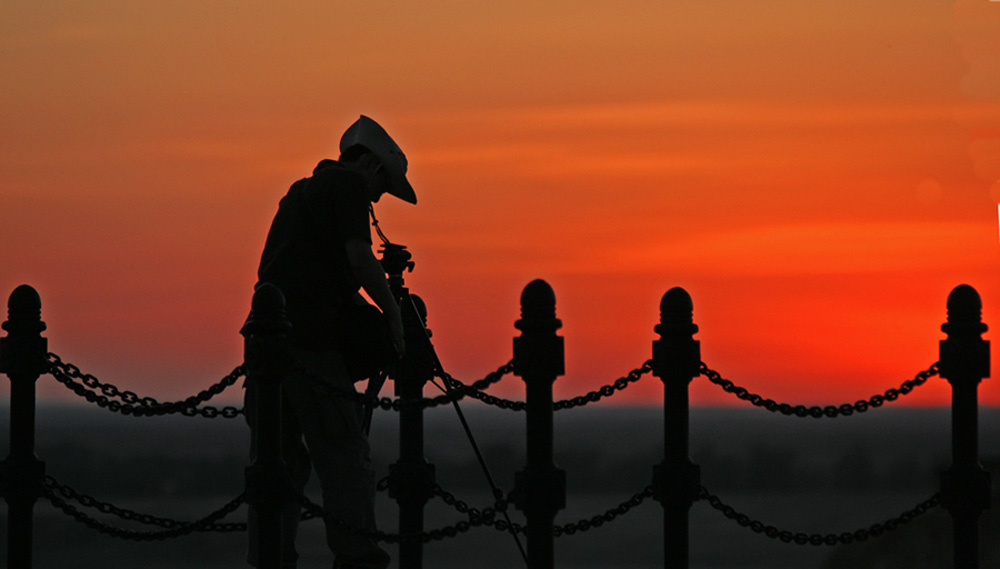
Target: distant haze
{"x": 800, "y": 474}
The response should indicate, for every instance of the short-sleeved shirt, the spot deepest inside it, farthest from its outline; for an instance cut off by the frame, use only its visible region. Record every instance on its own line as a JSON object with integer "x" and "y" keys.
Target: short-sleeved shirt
{"x": 305, "y": 254}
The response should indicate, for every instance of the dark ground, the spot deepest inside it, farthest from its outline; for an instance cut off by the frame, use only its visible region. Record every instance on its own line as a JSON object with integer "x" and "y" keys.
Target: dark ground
{"x": 806, "y": 475}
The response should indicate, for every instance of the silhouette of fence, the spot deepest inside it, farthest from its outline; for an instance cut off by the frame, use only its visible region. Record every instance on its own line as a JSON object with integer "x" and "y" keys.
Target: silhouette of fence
{"x": 539, "y": 490}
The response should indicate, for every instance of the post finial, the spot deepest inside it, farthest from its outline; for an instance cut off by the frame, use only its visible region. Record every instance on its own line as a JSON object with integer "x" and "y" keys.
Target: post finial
{"x": 538, "y": 307}
{"x": 267, "y": 311}
{"x": 965, "y": 312}
{"x": 964, "y": 356}
{"x": 538, "y": 299}
{"x": 24, "y": 311}
{"x": 538, "y": 351}
{"x": 421, "y": 307}
{"x": 676, "y": 313}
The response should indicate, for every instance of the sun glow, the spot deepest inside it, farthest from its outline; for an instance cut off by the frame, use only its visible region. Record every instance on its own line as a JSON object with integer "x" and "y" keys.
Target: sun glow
{"x": 813, "y": 174}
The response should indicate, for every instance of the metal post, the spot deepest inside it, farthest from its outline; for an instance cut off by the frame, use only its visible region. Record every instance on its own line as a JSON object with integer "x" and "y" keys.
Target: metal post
{"x": 540, "y": 489}
{"x": 964, "y": 362}
{"x": 267, "y": 361}
{"x": 676, "y": 361}
{"x": 23, "y": 357}
{"x": 411, "y": 479}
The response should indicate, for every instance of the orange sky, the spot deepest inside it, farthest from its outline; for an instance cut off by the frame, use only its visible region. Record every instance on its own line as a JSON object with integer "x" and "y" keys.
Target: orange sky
{"x": 817, "y": 175}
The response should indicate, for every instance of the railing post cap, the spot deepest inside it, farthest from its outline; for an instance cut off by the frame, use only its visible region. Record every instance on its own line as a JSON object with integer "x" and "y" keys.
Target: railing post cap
{"x": 420, "y": 305}
{"x": 24, "y": 311}
{"x": 267, "y": 311}
{"x": 538, "y": 306}
{"x": 538, "y": 296}
{"x": 676, "y": 313}
{"x": 267, "y": 297}
{"x": 676, "y": 301}
{"x": 965, "y": 311}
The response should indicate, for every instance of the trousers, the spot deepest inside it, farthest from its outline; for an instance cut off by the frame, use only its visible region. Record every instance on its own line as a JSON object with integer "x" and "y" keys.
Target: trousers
{"x": 322, "y": 430}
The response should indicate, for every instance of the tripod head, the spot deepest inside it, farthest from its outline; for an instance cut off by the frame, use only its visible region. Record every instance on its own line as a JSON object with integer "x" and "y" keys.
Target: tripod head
{"x": 395, "y": 259}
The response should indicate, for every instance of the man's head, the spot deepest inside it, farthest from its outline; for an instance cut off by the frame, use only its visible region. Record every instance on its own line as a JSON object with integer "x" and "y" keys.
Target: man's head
{"x": 367, "y": 138}
{"x": 371, "y": 167}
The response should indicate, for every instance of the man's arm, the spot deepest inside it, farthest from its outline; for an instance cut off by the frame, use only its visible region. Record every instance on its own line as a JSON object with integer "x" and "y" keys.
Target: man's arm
{"x": 371, "y": 276}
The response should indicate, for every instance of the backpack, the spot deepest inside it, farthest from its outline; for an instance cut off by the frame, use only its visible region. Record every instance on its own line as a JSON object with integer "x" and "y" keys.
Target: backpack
{"x": 364, "y": 339}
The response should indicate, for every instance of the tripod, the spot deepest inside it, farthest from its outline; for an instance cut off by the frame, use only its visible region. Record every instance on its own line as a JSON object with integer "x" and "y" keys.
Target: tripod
{"x": 412, "y": 479}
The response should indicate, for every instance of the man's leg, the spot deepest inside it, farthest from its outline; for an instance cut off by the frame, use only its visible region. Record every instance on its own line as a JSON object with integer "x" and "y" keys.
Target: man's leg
{"x": 331, "y": 425}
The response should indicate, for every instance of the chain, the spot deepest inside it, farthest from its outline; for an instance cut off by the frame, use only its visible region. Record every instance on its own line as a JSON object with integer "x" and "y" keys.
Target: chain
{"x": 817, "y": 412}
{"x": 86, "y": 501}
{"x": 487, "y": 381}
{"x": 314, "y": 510}
{"x": 477, "y": 517}
{"x": 608, "y": 390}
{"x": 128, "y": 403}
{"x": 390, "y": 404}
{"x": 799, "y": 538}
{"x": 475, "y": 391}
{"x": 487, "y": 516}
{"x": 56, "y": 493}
{"x": 110, "y": 391}
{"x": 592, "y": 397}
{"x": 607, "y": 517}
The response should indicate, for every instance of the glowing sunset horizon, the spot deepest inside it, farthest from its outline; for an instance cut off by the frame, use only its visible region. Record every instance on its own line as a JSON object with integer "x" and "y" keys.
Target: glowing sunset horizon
{"x": 818, "y": 176}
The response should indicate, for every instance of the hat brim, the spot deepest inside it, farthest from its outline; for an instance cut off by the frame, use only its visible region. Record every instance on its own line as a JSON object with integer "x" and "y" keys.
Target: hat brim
{"x": 399, "y": 186}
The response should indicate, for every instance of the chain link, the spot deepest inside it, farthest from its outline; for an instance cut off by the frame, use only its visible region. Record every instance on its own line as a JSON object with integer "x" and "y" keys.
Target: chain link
{"x": 817, "y": 412}
{"x": 481, "y": 384}
{"x": 606, "y": 517}
{"x": 476, "y": 518}
{"x": 476, "y": 389}
{"x": 608, "y": 390}
{"x": 58, "y": 494}
{"x": 619, "y": 384}
{"x": 108, "y": 396}
{"x": 488, "y": 515}
{"x": 87, "y": 501}
{"x": 108, "y": 390}
{"x": 799, "y": 538}
{"x": 478, "y": 394}
{"x": 390, "y": 404}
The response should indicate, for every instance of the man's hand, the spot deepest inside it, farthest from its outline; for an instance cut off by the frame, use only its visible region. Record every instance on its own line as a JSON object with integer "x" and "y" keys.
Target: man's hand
{"x": 369, "y": 273}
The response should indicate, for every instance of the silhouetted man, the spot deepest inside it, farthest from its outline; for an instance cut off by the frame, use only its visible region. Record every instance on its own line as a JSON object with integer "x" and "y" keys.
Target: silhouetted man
{"x": 319, "y": 253}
